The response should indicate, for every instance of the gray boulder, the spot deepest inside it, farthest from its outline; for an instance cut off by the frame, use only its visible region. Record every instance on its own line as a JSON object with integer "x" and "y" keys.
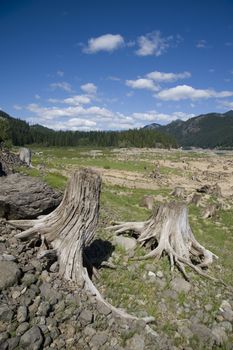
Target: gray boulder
{"x": 26, "y": 197}
{"x": 9, "y": 274}
{"x": 126, "y": 243}
{"x": 32, "y": 339}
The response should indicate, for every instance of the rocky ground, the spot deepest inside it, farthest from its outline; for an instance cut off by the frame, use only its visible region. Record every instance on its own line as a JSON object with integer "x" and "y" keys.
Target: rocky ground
{"x": 40, "y": 311}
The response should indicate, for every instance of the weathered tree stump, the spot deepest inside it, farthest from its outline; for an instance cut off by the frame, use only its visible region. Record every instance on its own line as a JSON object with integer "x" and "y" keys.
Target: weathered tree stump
{"x": 168, "y": 229}
{"x": 147, "y": 202}
{"x": 69, "y": 229}
{"x": 178, "y": 192}
{"x": 210, "y": 211}
{"x": 196, "y": 199}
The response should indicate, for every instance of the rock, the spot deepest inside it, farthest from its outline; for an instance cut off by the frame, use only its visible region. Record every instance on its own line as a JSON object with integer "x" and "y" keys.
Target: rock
{"x": 28, "y": 279}
{"x": 25, "y": 197}
{"x": 22, "y": 313}
{"x": 160, "y": 274}
{"x": 86, "y": 317}
{"x": 6, "y": 314}
{"x": 23, "y": 327}
{"x": 219, "y": 335}
{"x": 180, "y": 285}
{"x": 7, "y": 257}
{"x": 136, "y": 343}
{"x": 99, "y": 339}
{"x": 44, "y": 309}
{"x": 49, "y": 293}
{"x": 202, "y": 332}
{"x": 151, "y": 274}
{"x": 3, "y": 337}
{"x": 226, "y": 325}
{"x": 13, "y": 343}
{"x": 126, "y": 242}
{"x": 54, "y": 267}
{"x": 9, "y": 274}
{"x": 32, "y": 339}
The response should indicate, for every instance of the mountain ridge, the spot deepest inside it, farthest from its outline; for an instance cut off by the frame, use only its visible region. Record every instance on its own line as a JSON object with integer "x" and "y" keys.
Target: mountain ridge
{"x": 209, "y": 130}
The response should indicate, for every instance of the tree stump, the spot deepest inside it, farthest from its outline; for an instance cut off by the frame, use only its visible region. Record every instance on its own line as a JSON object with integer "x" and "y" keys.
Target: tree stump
{"x": 178, "y": 192}
{"x": 69, "y": 229}
{"x": 169, "y": 231}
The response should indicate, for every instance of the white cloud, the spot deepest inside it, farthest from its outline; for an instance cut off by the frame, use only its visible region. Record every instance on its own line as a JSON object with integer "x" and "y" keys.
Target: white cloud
{"x": 182, "y": 92}
{"x": 142, "y": 83}
{"x": 162, "y": 77}
{"x": 89, "y": 88}
{"x": 60, "y": 73}
{"x": 107, "y": 42}
{"x": 47, "y": 113}
{"x": 227, "y": 104}
{"x": 78, "y": 99}
{"x": 201, "y": 44}
{"x": 161, "y": 118}
{"x": 154, "y": 44}
{"x": 73, "y": 100}
{"x": 61, "y": 85}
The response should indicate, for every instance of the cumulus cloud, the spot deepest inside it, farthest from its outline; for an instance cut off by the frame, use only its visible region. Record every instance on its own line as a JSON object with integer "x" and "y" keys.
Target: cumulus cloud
{"x": 89, "y": 88}
{"x": 107, "y": 42}
{"x": 182, "y": 92}
{"x": 162, "y": 77}
{"x": 48, "y": 113}
{"x": 61, "y": 85}
{"x": 155, "y": 44}
{"x": 78, "y": 99}
{"x": 142, "y": 83}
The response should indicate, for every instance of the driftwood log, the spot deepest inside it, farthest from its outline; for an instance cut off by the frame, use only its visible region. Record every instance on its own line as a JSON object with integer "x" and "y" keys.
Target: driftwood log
{"x": 69, "y": 229}
{"x": 169, "y": 231}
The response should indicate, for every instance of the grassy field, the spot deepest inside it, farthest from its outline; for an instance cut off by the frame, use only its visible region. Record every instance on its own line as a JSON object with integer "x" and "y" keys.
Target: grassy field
{"x": 129, "y": 285}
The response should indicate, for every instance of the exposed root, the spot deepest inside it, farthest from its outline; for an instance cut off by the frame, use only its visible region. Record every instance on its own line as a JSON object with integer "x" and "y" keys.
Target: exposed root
{"x": 169, "y": 229}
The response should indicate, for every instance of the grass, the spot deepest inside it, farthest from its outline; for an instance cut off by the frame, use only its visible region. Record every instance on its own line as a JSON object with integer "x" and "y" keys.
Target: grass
{"x": 129, "y": 286}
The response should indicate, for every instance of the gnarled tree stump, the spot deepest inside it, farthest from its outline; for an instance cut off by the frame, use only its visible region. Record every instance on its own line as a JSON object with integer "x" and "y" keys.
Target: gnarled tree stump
{"x": 69, "y": 229}
{"x": 168, "y": 229}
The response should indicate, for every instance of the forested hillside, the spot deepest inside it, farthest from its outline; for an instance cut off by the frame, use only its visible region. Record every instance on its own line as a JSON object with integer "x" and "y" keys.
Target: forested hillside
{"x": 22, "y": 133}
{"x": 207, "y": 130}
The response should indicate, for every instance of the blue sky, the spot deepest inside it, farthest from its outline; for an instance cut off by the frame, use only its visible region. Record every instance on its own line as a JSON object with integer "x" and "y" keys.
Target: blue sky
{"x": 115, "y": 64}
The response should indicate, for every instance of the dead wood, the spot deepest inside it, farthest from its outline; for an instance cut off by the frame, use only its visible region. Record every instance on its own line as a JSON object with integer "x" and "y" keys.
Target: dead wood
{"x": 178, "y": 192}
{"x": 69, "y": 229}
{"x": 147, "y": 202}
{"x": 210, "y": 211}
{"x": 169, "y": 231}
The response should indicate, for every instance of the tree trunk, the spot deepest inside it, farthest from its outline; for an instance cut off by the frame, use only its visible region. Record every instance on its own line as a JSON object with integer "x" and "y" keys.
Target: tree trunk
{"x": 168, "y": 229}
{"x": 69, "y": 229}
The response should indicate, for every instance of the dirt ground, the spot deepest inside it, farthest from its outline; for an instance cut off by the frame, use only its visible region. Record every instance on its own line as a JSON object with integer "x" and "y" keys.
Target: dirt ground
{"x": 191, "y": 173}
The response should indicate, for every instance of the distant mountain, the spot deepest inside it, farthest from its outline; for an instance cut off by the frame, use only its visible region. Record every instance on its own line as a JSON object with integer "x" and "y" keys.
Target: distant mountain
{"x": 206, "y": 130}
{"x": 152, "y": 126}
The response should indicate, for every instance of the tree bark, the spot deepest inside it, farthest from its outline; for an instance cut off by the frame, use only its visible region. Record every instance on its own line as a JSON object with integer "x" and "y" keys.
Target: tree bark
{"x": 168, "y": 229}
